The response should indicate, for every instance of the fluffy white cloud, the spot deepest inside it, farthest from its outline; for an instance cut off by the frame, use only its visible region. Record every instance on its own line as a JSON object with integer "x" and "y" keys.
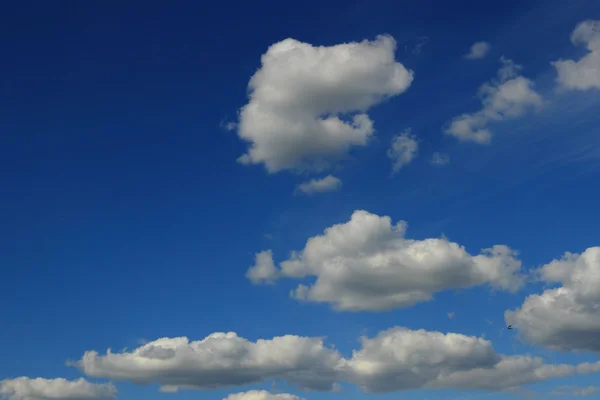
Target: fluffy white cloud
{"x": 440, "y": 159}
{"x": 24, "y": 388}
{"x": 403, "y": 149}
{"x": 583, "y": 74}
{"x": 264, "y": 270}
{"x": 219, "y": 360}
{"x": 262, "y": 395}
{"x": 403, "y": 359}
{"x": 368, "y": 264}
{"x": 568, "y": 317}
{"x": 327, "y": 184}
{"x": 478, "y": 50}
{"x": 302, "y": 94}
{"x": 510, "y": 96}
{"x": 394, "y": 360}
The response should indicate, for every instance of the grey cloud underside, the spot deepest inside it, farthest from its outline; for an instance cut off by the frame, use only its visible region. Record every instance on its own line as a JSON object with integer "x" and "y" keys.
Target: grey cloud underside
{"x": 24, "y": 388}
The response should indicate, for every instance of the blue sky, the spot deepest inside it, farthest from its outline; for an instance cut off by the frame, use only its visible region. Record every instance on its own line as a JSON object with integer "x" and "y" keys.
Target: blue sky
{"x": 127, "y": 215}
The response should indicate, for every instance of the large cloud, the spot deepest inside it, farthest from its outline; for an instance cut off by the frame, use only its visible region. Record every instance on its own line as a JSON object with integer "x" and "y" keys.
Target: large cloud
{"x": 403, "y": 359}
{"x": 219, "y": 360}
{"x": 262, "y": 395}
{"x": 292, "y": 120}
{"x": 368, "y": 264}
{"x": 509, "y": 96}
{"x": 583, "y": 74}
{"x": 567, "y": 317}
{"x": 24, "y": 388}
{"x": 394, "y": 360}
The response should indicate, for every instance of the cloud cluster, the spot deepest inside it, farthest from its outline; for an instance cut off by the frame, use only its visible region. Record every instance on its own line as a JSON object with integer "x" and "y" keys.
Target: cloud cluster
{"x": 327, "y": 184}
{"x": 219, "y": 360}
{"x": 575, "y": 391}
{"x": 403, "y": 150}
{"x": 302, "y": 94}
{"x": 394, "y": 360}
{"x": 509, "y": 96}
{"x": 568, "y": 317}
{"x": 583, "y": 74}
{"x": 368, "y": 264}
{"x": 24, "y": 388}
{"x": 478, "y": 50}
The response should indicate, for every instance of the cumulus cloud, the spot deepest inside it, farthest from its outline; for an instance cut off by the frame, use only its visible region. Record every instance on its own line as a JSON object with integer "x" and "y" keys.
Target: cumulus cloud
{"x": 478, "y": 50}
{"x": 263, "y": 270}
{"x": 403, "y": 359}
{"x": 568, "y": 317}
{"x": 24, "y": 388}
{"x": 368, "y": 264}
{"x": 440, "y": 159}
{"x": 403, "y": 150}
{"x": 394, "y": 360}
{"x": 583, "y": 74}
{"x": 262, "y": 395}
{"x": 219, "y": 360}
{"x": 308, "y": 103}
{"x": 327, "y": 184}
{"x": 509, "y": 96}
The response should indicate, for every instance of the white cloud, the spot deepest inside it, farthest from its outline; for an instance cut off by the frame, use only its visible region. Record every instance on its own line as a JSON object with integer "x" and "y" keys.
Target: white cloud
{"x": 219, "y": 360}
{"x": 301, "y": 95}
{"x": 508, "y": 97}
{"x": 394, "y": 360}
{"x": 327, "y": 184}
{"x": 583, "y": 74}
{"x": 368, "y": 264}
{"x": 24, "y": 388}
{"x": 262, "y": 395}
{"x": 403, "y": 359}
{"x": 451, "y": 315}
{"x": 478, "y": 50}
{"x": 263, "y": 270}
{"x": 440, "y": 159}
{"x": 403, "y": 150}
{"x": 568, "y": 317}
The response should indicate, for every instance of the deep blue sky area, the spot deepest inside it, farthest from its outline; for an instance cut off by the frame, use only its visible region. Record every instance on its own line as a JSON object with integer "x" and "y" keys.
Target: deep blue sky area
{"x": 124, "y": 216}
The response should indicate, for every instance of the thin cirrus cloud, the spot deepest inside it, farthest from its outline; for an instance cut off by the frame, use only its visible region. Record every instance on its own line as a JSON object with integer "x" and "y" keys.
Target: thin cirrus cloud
{"x": 478, "y": 50}
{"x": 565, "y": 318}
{"x": 327, "y": 184}
{"x": 368, "y": 264}
{"x": 508, "y": 96}
{"x": 583, "y": 74}
{"x": 403, "y": 150}
{"x": 25, "y": 388}
{"x": 394, "y": 360}
{"x": 302, "y": 94}
{"x": 439, "y": 159}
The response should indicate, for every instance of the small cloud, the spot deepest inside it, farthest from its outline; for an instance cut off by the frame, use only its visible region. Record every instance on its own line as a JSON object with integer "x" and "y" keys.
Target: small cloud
{"x": 489, "y": 322}
{"x": 403, "y": 150}
{"x": 421, "y": 41}
{"x": 263, "y": 271}
{"x": 440, "y": 159}
{"x": 328, "y": 184}
{"x": 575, "y": 391}
{"x": 228, "y": 125}
{"x": 268, "y": 235}
{"x": 451, "y": 315}
{"x": 478, "y": 50}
